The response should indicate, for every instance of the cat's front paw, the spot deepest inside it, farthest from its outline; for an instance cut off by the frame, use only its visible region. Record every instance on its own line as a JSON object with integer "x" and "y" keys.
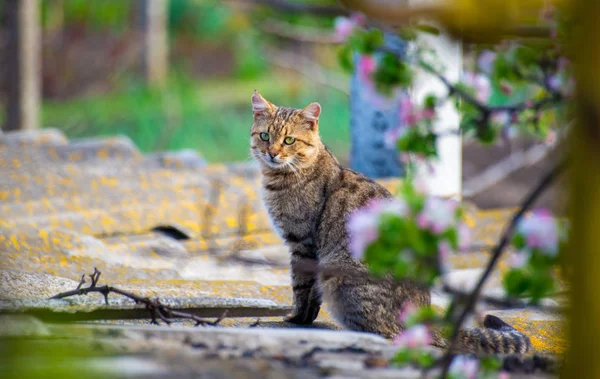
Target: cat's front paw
{"x": 298, "y": 319}
{"x": 303, "y": 318}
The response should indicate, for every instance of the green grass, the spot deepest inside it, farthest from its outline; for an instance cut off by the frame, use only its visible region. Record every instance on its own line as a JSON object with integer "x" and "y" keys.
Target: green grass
{"x": 212, "y": 117}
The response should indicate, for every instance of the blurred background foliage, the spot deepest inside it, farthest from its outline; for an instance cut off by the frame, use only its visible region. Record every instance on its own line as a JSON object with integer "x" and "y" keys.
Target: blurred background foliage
{"x": 91, "y": 84}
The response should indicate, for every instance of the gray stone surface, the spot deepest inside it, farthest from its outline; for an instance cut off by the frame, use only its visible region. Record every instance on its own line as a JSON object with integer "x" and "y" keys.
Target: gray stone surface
{"x": 23, "y": 285}
{"x": 92, "y": 307}
{"x": 48, "y": 136}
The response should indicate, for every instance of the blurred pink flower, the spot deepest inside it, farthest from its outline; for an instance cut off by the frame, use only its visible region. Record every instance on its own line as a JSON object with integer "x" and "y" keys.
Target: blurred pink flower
{"x": 518, "y": 259}
{"x": 555, "y": 82}
{"x": 409, "y": 115}
{"x": 464, "y": 237}
{"x": 540, "y": 231}
{"x": 480, "y": 83}
{"x": 437, "y": 214}
{"x": 503, "y": 375}
{"x": 414, "y": 337}
{"x": 444, "y": 250}
{"x": 343, "y": 28}
{"x": 363, "y": 224}
{"x": 428, "y": 113}
{"x": 391, "y": 136}
{"x": 408, "y": 308}
{"x": 464, "y": 367}
{"x": 366, "y": 67}
{"x": 486, "y": 61}
{"x": 358, "y": 18}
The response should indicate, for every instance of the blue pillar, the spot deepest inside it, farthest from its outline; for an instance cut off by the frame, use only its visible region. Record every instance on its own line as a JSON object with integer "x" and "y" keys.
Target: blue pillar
{"x": 371, "y": 115}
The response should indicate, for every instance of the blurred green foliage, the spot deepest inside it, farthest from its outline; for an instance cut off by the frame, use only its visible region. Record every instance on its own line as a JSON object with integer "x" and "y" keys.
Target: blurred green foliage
{"x": 212, "y": 116}
{"x": 26, "y": 358}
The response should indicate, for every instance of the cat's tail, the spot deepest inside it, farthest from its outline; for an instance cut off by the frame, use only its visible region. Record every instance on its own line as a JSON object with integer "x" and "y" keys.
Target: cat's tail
{"x": 496, "y": 337}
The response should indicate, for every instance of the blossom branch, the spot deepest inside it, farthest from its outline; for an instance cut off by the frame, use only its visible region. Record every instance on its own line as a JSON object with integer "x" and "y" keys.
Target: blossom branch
{"x": 496, "y": 255}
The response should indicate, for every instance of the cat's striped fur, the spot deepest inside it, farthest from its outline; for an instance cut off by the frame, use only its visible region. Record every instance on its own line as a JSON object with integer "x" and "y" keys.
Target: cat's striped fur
{"x": 309, "y": 197}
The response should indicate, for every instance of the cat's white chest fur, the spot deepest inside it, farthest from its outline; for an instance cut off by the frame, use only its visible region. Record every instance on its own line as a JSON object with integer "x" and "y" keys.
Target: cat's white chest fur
{"x": 274, "y": 225}
{"x": 276, "y": 228}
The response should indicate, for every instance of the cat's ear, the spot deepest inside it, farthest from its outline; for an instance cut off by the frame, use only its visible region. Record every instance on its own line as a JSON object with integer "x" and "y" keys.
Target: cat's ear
{"x": 311, "y": 114}
{"x": 260, "y": 105}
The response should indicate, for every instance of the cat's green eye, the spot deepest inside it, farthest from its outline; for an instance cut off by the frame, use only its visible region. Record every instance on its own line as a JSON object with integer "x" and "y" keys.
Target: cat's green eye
{"x": 289, "y": 140}
{"x": 264, "y": 136}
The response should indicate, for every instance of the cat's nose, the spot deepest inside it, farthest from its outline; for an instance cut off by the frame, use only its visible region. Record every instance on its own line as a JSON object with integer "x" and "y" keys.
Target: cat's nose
{"x": 272, "y": 155}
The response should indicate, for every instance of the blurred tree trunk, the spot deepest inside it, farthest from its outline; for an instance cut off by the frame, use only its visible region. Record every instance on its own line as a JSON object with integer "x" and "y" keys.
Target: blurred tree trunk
{"x": 155, "y": 51}
{"x": 584, "y": 246}
{"x": 23, "y": 67}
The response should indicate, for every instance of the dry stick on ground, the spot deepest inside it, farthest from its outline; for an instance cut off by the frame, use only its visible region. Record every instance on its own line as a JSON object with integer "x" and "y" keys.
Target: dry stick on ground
{"x": 496, "y": 254}
{"x": 157, "y": 310}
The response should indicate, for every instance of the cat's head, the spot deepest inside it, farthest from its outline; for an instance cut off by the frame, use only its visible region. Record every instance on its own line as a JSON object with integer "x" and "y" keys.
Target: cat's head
{"x": 284, "y": 138}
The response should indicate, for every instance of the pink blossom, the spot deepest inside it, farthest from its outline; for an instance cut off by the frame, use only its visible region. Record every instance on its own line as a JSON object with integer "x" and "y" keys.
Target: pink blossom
{"x": 480, "y": 83}
{"x": 518, "y": 259}
{"x": 408, "y": 308}
{"x": 363, "y": 224}
{"x": 464, "y": 237}
{"x": 486, "y": 61}
{"x": 390, "y": 137}
{"x": 503, "y": 375}
{"x": 555, "y": 82}
{"x": 464, "y": 367}
{"x": 414, "y": 337}
{"x": 409, "y": 115}
{"x": 343, "y": 28}
{"x": 500, "y": 118}
{"x": 428, "y": 113}
{"x": 366, "y": 67}
{"x": 358, "y": 18}
{"x": 540, "y": 231}
{"x": 444, "y": 250}
{"x": 437, "y": 215}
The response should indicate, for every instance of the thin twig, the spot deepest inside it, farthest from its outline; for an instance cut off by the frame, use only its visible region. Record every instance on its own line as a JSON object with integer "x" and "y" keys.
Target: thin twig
{"x": 298, "y": 33}
{"x": 496, "y": 254}
{"x": 158, "y": 311}
{"x": 502, "y": 302}
{"x": 554, "y": 99}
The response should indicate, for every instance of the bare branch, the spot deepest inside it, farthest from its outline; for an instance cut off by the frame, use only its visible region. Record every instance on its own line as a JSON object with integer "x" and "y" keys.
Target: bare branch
{"x": 157, "y": 310}
{"x": 298, "y": 33}
{"x": 496, "y": 254}
{"x": 295, "y": 7}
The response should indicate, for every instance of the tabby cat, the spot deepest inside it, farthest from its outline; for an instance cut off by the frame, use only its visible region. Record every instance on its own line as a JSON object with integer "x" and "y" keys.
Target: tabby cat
{"x": 309, "y": 197}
